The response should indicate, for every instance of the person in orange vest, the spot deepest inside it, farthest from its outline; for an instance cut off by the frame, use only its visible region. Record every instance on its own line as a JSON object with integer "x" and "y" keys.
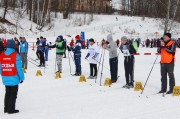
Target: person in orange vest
{"x": 12, "y": 74}
{"x": 167, "y": 52}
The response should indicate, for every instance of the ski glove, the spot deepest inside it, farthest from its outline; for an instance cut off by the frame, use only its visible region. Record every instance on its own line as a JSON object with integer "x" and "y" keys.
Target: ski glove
{"x": 21, "y": 81}
{"x": 68, "y": 48}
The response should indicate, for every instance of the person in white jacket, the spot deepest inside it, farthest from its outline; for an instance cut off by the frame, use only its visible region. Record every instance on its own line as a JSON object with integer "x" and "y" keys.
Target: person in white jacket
{"x": 93, "y": 58}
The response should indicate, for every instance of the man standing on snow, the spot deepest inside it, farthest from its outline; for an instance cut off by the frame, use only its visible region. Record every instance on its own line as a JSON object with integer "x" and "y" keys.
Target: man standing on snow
{"x": 24, "y": 52}
{"x": 93, "y": 58}
{"x": 41, "y": 48}
{"x": 128, "y": 50}
{"x": 60, "y": 48}
{"x": 12, "y": 74}
{"x": 76, "y": 49}
{"x": 167, "y": 51}
{"x": 111, "y": 46}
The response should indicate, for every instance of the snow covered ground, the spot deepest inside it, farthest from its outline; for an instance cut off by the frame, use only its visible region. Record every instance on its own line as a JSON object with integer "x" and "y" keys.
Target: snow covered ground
{"x": 44, "y": 97}
{"x": 133, "y": 27}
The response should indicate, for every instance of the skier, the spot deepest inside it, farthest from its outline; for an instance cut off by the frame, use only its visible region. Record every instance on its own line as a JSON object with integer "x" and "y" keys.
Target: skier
{"x": 60, "y": 48}
{"x": 4, "y": 43}
{"x": 24, "y": 52}
{"x": 113, "y": 59}
{"x": 93, "y": 58}
{"x": 71, "y": 43}
{"x": 152, "y": 43}
{"x": 46, "y": 49}
{"x": 128, "y": 50}
{"x": 103, "y": 42}
{"x": 17, "y": 44}
{"x": 87, "y": 44}
{"x": 37, "y": 53}
{"x": 41, "y": 48}
{"x": 167, "y": 51}
{"x": 77, "y": 55}
{"x": 12, "y": 74}
{"x": 117, "y": 42}
{"x": 1, "y": 46}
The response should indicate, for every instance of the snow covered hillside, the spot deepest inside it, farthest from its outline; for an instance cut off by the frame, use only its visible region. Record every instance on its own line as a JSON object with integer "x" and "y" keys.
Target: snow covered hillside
{"x": 100, "y": 26}
{"x": 48, "y": 98}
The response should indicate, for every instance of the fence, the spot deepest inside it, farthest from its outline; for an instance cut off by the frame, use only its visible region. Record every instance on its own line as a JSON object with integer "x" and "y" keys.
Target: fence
{"x": 29, "y": 34}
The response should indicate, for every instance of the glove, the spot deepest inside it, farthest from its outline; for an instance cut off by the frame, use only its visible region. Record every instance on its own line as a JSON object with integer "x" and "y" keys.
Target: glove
{"x": 21, "y": 81}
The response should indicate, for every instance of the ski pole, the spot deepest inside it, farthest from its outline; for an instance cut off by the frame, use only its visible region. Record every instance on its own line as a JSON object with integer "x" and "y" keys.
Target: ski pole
{"x": 102, "y": 67}
{"x": 102, "y": 64}
{"x": 55, "y": 64}
{"x": 149, "y": 75}
{"x": 69, "y": 62}
{"x": 99, "y": 65}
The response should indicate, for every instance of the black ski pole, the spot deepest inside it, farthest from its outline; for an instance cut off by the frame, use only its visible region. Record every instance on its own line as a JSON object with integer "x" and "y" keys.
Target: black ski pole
{"x": 99, "y": 65}
{"x": 102, "y": 67}
{"x": 33, "y": 63}
{"x": 149, "y": 75}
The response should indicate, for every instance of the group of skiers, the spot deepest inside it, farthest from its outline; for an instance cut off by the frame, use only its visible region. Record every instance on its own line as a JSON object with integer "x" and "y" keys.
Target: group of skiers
{"x": 11, "y": 63}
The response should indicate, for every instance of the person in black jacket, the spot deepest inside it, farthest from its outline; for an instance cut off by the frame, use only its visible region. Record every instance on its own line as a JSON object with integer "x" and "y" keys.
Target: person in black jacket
{"x": 1, "y": 46}
{"x": 60, "y": 49}
{"x": 128, "y": 50}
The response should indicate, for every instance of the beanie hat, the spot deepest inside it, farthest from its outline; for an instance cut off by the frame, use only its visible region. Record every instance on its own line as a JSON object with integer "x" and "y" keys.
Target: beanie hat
{"x": 61, "y": 37}
{"x": 10, "y": 44}
{"x": 91, "y": 40}
{"x": 168, "y": 34}
{"x": 124, "y": 38}
{"x": 23, "y": 38}
{"x": 77, "y": 37}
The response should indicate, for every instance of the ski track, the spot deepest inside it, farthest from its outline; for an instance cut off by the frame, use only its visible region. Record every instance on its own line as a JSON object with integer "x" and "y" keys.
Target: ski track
{"x": 48, "y": 98}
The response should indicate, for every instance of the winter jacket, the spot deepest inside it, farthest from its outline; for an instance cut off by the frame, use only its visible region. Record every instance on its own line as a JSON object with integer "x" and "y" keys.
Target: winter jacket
{"x": 24, "y": 47}
{"x": 169, "y": 51}
{"x": 1, "y": 47}
{"x": 128, "y": 49}
{"x": 41, "y": 46}
{"x": 111, "y": 47}
{"x": 59, "y": 47}
{"x": 13, "y": 80}
{"x": 77, "y": 48}
{"x": 93, "y": 52}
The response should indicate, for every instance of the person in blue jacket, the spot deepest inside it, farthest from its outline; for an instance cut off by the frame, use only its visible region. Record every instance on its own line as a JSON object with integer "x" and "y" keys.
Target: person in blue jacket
{"x": 12, "y": 74}
{"x": 41, "y": 48}
{"x": 24, "y": 52}
{"x": 77, "y": 55}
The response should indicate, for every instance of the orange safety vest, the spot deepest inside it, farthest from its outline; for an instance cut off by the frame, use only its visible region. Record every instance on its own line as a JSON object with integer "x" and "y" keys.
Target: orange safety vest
{"x": 8, "y": 64}
{"x": 165, "y": 56}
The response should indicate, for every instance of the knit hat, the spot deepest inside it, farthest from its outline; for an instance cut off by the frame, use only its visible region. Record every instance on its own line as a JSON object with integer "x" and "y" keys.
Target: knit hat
{"x": 10, "y": 44}
{"x": 77, "y": 37}
{"x": 91, "y": 40}
{"x": 61, "y": 37}
{"x": 167, "y": 34}
{"x": 124, "y": 38}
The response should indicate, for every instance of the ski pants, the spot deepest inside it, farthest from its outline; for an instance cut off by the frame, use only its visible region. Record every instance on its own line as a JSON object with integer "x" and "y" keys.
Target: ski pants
{"x": 10, "y": 98}
{"x": 93, "y": 69}
{"x": 24, "y": 60}
{"x": 59, "y": 62}
{"x": 38, "y": 55}
{"x": 46, "y": 54}
{"x": 129, "y": 69}
{"x": 77, "y": 60}
{"x": 41, "y": 54}
{"x": 113, "y": 62}
{"x": 167, "y": 69}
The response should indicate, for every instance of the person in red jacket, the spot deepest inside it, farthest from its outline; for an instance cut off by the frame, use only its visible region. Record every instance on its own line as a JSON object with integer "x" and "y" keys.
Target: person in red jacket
{"x": 83, "y": 44}
{"x": 4, "y": 42}
{"x": 71, "y": 43}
